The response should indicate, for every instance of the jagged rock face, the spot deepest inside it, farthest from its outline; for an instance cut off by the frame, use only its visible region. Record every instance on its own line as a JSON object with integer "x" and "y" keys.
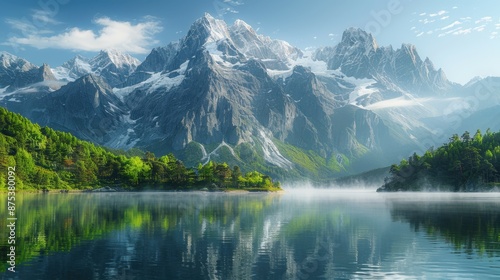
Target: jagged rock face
{"x": 355, "y": 129}
{"x": 159, "y": 59}
{"x": 113, "y": 66}
{"x": 316, "y": 103}
{"x": 213, "y": 104}
{"x": 33, "y": 76}
{"x": 15, "y": 71}
{"x": 225, "y": 96}
{"x": 73, "y": 69}
{"x": 353, "y": 54}
{"x": 273, "y": 53}
{"x": 87, "y": 108}
{"x": 359, "y": 56}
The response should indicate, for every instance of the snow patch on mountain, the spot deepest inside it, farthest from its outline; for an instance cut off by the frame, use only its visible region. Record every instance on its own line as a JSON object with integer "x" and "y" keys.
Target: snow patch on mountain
{"x": 113, "y": 65}
{"x": 318, "y": 67}
{"x": 124, "y": 141}
{"x": 61, "y": 74}
{"x": 15, "y": 63}
{"x": 72, "y": 69}
{"x": 169, "y": 80}
{"x": 127, "y": 119}
{"x": 122, "y": 60}
{"x": 159, "y": 80}
{"x": 217, "y": 28}
{"x": 203, "y": 152}
{"x": 206, "y": 157}
{"x": 113, "y": 107}
{"x": 272, "y": 153}
{"x": 2, "y": 90}
{"x": 364, "y": 88}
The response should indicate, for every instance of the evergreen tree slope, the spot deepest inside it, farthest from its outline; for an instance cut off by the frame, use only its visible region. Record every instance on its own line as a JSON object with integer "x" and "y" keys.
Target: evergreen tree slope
{"x": 466, "y": 163}
{"x": 49, "y": 159}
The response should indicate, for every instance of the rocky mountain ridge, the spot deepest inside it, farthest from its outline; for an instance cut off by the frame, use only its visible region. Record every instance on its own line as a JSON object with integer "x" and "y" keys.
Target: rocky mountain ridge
{"x": 229, "y": 93}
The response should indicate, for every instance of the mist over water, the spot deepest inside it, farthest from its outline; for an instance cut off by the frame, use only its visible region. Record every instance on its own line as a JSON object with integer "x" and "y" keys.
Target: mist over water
{"x": 309, "y": 188}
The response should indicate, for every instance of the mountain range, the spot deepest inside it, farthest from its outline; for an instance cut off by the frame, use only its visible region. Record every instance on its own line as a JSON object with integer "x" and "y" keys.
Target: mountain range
{"x": 226, "y": 92}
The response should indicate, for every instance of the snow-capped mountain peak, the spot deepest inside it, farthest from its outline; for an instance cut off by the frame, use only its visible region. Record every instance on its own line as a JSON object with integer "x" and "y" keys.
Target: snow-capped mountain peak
{"x": 73, "y": 69}
{"x": 240, "y": 25}
{"x": 216, "y": 29}
{"x": 119, "y": 59}
{"x": 356, "y": 38}
{"x": 9, "y": 60}
{"x": 113, "y": 65}
{"x": 474, "y": 81}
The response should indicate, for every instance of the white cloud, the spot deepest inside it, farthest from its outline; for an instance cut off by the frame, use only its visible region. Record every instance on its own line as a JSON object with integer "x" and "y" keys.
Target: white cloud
{"x": 44, "y": 17}
{"x": 227, "y": 7}
{"x": 231, "y": 11}
{"x": 455, "y": 7}
{"x": 455, "y": 23}
{"x": 494, "y": 35}
{"x": 463, "y": 31}
{"x": 484, "y": 19}
{"x": 455, "y": 31}
{"x": 426, "y": 21}
{"x": 400, "y": 102}
{"x": 445, "y": 17}
{"x": 39, "y": 22}
{"x": 120, "y": 35}
{"x": 24, "y": 26}
{"x": 420, "y": 34}
{"x": 440, "y": 13}
{"x": 232, "y": 2}
{"x": 423, "y": 14}
{"x": 480, "y": 28}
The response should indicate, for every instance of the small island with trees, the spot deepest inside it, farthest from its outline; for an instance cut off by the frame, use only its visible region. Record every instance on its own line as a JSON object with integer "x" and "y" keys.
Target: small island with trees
{"x": 464, "y": 164}
{"x": 46, "y": 159}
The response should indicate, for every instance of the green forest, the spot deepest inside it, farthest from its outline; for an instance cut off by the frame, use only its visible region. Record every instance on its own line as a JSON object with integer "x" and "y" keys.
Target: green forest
{"x": 466, "y": 163}
{"x": 47, "y": 159}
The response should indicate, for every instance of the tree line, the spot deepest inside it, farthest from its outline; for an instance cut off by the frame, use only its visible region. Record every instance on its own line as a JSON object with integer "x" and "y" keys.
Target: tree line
{"x": 49, "y": 159}
{"x": 465, "y": 163}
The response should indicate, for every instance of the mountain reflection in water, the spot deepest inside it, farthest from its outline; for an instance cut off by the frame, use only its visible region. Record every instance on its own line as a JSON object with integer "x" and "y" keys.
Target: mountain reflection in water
{"x": 308, "y": 234}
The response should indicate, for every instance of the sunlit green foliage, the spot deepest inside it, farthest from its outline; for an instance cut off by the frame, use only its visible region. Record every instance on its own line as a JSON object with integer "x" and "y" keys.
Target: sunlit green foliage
{"x": 463, "y": 164}
{"x": 48, "y": 159}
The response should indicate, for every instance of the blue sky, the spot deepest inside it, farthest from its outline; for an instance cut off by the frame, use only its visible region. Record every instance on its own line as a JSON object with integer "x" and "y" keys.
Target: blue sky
{"x": 462, "y": 37}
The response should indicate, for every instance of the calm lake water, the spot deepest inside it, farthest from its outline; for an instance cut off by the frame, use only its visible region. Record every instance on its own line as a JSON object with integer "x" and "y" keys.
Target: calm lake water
{"x": 295, "y": 235}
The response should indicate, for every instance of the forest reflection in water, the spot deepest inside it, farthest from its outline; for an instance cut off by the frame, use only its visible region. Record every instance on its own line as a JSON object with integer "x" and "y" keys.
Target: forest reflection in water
{"x": 307, "y": 234}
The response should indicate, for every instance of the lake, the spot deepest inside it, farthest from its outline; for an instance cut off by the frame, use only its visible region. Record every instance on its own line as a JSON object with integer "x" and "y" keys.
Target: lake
{"x": 299, "y": 234}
